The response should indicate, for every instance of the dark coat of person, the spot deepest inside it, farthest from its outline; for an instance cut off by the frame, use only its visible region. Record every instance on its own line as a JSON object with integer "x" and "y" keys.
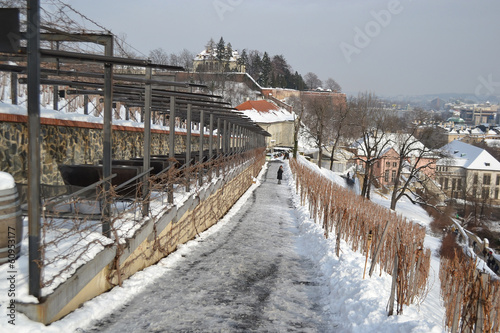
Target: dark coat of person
{"x": 280, "y": 173}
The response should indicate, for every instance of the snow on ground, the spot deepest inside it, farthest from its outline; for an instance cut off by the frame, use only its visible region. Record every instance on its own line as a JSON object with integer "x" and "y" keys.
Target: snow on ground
{"x": 359, "y": 305}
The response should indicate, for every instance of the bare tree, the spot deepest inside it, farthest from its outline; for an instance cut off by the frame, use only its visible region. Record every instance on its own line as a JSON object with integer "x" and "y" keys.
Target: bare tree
{"x": 174, "y": 60}
{"x": 341, "y": 112}
{"x": 159, "y": 56}
{"x": 122, "y": 48}
{"x": 298, "y": 105}
{"x": 312, "y": 80}
{"x": 332, "y": 85}
{"x": 186, "y": 58}
{"x": 317, "y": 118}
{"x": 414, "y": 158}
{"x": 372, "y": 126}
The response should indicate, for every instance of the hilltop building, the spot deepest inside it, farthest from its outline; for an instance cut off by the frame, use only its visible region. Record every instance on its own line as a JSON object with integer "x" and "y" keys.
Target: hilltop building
{"x": 206, "y": 61}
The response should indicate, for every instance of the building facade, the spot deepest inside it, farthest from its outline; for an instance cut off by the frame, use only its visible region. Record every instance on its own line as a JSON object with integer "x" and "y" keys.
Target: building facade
{"x": 387, "y": 159}
{"x": 206, "y": 61}
{"x": 277, "y": 121}
{"x": 468, "y": 172}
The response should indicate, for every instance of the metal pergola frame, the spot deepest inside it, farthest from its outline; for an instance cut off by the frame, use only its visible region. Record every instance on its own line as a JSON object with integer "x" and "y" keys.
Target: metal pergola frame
{"x": 139, "y": 92}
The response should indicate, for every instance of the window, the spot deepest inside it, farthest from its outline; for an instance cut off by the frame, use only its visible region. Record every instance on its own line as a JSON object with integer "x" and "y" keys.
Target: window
{"x": 496, "y": 193}
{"x": 453, "y": 184}
{"x": 387, "y": 164}
{"x": 393, "y": 175}
{"x": 386, "y": 176}
{"x": 486, "y": 179}
{"x": 394, "y": 164}
{"x": 459, "y": 184}
{"x": 498, "y": 179}
{"x": 475, "y": 178}
{"x": 485, "y": 193}
{"x": 446, "y": 183}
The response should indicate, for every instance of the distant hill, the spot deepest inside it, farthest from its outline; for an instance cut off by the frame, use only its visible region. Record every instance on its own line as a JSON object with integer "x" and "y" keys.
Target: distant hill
{"x": 447, "y": 97}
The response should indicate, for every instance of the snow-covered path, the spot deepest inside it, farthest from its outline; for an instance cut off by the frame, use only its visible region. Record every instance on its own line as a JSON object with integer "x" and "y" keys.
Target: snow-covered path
{"x": 248, "y": 276}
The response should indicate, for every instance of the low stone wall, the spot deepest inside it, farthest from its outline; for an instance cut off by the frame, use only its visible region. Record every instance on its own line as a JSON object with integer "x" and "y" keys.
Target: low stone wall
{"x": 75, "y": 142}
{"x": 152, "y": 242}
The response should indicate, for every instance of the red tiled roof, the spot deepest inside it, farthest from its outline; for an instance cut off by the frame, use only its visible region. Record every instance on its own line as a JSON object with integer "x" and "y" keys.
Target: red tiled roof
{"x": 260, "y": 105}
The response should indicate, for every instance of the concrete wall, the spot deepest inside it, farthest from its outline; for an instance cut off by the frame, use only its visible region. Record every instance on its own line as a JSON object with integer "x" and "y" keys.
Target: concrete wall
{"x": 75, "y": 142}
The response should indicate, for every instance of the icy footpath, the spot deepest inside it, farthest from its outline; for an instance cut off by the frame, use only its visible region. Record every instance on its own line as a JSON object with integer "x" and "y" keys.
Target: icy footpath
{"x": 246, "y": 276}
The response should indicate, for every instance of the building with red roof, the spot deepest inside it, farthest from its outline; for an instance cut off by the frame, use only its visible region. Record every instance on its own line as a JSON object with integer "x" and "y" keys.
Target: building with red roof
{"x": 277, "y": 121}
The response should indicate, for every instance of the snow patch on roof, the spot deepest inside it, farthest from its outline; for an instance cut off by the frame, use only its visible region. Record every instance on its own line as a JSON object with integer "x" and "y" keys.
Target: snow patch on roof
{"x": 263, "y": 111}
{"x": 468, "y": 156}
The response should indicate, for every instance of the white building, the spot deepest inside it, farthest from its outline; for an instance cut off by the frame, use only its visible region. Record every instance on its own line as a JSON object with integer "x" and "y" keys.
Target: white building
{"x": 468, "y": 171}
{"x": 277, "y": 121}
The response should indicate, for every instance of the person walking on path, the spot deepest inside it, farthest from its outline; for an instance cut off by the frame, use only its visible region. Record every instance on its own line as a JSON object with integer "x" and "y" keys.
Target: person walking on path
{"x": 280, "y": 174}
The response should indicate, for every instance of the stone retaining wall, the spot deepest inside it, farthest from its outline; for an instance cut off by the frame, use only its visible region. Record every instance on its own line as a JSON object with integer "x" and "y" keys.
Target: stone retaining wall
{"x": 75, "y": 142}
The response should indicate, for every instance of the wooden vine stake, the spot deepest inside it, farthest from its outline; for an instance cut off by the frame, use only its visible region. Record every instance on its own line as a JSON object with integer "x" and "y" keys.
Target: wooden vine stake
{"x": 483, "y": 278}
{"x": 394, "y": 278}
{"x": 379, "y": 247}
{"x": 368, "y": 244}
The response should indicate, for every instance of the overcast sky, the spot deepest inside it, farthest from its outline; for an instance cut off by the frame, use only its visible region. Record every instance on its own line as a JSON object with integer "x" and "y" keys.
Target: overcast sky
{"x": 388, "y": 47}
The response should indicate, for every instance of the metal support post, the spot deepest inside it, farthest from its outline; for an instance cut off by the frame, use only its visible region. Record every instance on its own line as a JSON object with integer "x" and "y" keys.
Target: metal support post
{"x": 188, "y": 144}
{"x": 55, "y": 92}
{"x": 210, "y": 143}
{"x": 224, "y": 138}
{"x": 85, "y": 104}
{"x": 211, "y": 137}
{"x": 171, "y": 146}
{"x": 202, "y": 134}
{"x": 34, "y": 213}
{"x": 233, "y": 134}
{"x": 107, "y": 138}
{"x": 13, "y": 88}
{"x": 147, "y": 142}
{"x": 217, "y": 169}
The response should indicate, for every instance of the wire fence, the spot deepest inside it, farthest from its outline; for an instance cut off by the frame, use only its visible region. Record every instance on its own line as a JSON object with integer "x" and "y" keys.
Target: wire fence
{"x": 72, "y": 225}
{"x": 388, "y": 239}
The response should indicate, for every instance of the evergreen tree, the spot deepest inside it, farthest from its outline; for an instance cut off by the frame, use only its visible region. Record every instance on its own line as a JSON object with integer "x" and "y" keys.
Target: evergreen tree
{"x": 281, "y": 74}
{"x": 220, "y": 52}
{"x": 298, "y": 82}
{"x": 265, "y": 77}
{"x": 228, "y": 54}
{"x": 242, "y": 60}
{"x": 254, "y": 65}
{"x": 210, "y": 48}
